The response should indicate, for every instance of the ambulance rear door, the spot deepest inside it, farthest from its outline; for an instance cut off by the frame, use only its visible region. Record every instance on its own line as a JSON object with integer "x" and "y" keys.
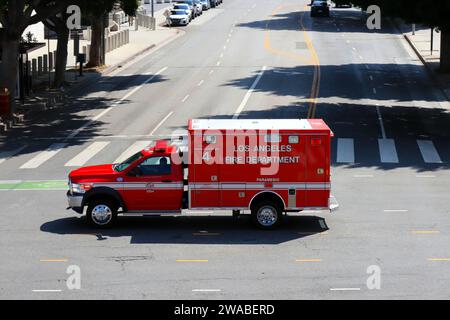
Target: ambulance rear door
{"x": 317, "y": 170}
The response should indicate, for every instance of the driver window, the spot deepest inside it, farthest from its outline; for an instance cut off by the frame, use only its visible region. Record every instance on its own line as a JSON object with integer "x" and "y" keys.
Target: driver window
{"x": 155, "y": 166}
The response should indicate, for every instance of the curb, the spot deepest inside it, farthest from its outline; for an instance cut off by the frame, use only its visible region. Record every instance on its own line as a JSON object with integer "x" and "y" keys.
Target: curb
{"x": 430, "y": 71}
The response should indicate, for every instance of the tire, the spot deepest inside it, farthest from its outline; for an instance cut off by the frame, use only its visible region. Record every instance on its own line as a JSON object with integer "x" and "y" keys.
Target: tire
{"x": 102, "y": 213}
{"x": 267, "y": 215}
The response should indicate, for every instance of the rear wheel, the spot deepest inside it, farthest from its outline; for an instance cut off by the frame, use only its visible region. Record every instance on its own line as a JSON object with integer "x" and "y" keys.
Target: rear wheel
{"x": 102, "y": 213}
{"x": 267, "y": 215}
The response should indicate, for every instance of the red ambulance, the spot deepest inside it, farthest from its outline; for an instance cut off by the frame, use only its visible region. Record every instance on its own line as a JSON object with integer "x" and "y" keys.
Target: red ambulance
{"x": 265, "y": 167}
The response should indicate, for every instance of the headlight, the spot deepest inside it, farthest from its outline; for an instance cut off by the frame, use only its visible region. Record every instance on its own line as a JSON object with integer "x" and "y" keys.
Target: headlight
{"x": 79, "y": 188}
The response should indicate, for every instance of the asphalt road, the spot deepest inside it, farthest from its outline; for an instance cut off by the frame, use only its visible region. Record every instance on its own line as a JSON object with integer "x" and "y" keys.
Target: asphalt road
{"x": 390, "y": 170}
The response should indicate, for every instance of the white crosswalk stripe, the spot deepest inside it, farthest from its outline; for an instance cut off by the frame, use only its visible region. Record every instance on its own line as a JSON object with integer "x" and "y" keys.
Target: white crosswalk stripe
{"x": 345, "y": 151}
{"x": 44, "y": 156}
{"x": 134, "y": 148}
{"x": 388, "y": 152}
{"x": 87, "y": 154}
{"x": 428, "y": 151}
{"x": 5, "y": 155}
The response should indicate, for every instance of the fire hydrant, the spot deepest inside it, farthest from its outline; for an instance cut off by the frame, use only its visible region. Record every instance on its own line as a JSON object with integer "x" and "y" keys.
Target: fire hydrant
{"x": 4, "y": 102}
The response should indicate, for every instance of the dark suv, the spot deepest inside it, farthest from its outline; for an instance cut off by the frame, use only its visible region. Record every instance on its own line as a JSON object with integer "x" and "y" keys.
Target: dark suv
{"x": 320, "y": 8}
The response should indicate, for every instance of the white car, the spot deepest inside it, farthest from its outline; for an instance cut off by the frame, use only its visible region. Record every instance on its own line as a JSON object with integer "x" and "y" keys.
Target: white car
{"x": 179, "y": 17}
{"x": 184, "y": 6}
{"x": 198, "y": 7}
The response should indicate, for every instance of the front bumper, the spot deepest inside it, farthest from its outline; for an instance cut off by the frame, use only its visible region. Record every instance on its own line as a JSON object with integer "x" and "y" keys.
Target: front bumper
{"x": 75, "y": 202}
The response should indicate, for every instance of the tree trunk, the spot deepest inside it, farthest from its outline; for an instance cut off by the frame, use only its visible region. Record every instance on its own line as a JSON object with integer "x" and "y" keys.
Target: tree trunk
{"x": 8, "y": 71}
{"x": 61, "y": 56}
{"x": 445, "y": 51}
{"x": 95, "y": 53}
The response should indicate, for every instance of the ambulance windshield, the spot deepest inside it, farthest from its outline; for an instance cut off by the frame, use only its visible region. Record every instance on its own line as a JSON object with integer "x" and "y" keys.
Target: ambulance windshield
{"x": 119, "y": 167}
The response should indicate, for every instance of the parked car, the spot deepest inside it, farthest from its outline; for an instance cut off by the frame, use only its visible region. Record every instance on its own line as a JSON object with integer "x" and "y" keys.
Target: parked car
{"x": 206, "y": 5}
{"x": 198, "y": 7}
{"x": 320, "y": 8}
{"x": 191, "y": 5}
{"x": 185, "y": 7}
{"x": 179, "y": 17}
{"x": 214, "y": 3}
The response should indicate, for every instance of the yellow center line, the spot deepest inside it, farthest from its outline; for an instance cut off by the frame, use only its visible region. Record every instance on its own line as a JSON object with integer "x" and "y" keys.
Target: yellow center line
{"x": 308, "y": 260}
{"x": 181, "y": 260}
{"x": 314, "y": 60}
{"x": 54, "y": 260}
{"x": 439, "y": 259}
{"x": 425, "y": 232}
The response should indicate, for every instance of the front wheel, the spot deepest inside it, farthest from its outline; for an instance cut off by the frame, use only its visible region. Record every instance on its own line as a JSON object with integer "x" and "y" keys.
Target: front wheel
{"x": 102, "y": 213}
{"x": 267, "y": 215}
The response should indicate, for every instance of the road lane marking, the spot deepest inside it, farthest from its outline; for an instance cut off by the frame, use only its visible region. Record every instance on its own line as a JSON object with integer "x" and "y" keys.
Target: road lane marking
{"x": 206, "y": 290}
{"x": 428, "y": 151}
{"x": 54, "y": 260}
{"x": 5, "y": 155}
{"x": 388, "y": 152}
{"x": 221, "y": 55}
{"x": 374, "y": 90}
{"x": 371, "y": 78}
{"x": 101, "y": 114}
{"x": 218, "y": 63}
{"x": 425, "y": 232}
{"x": 193, "y": 261}
{"x": 87, "y": 154}
{"x": 439, "y": 259}
{"x": 51, "y": 185}
{"x": 200, "y": 83}
{"x": 44, "y": 156}
{"x": 308, "y": 260}
{"x": 345, "y": 289}
{"x": 133, "y": 149}
{"x": 185, "y": 98}
{"x": 345, "y": 150}
{"x": 249, "y": 93}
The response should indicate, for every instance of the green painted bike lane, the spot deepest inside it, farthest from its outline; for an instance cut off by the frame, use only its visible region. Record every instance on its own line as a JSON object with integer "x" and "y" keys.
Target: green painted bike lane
{"x": 33, "y": 185}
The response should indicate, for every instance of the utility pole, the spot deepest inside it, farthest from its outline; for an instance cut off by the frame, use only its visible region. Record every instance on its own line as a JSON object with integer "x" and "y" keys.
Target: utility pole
{"x": 432, "y": 38}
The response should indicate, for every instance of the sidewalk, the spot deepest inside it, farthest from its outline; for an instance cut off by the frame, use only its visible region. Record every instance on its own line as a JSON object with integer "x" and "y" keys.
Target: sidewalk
{"x": 420, "y": 42}
{"x": 141, "y": 41}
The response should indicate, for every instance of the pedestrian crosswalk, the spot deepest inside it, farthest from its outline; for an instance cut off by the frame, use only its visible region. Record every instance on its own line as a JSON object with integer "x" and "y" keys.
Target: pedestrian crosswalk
{"x": 388, "y": 152}
{"x": 43, "y": 156}
{"x": 428, "y": 151}
{"x": 134, "y": 148}
{"x": 345, "y": 151}
{"x": 87, "y": 154}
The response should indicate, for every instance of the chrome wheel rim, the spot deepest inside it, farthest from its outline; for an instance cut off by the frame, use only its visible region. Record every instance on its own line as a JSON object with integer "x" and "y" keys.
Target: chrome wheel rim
{"x": 267, "y": 216}
{"x": 101, "y": 214}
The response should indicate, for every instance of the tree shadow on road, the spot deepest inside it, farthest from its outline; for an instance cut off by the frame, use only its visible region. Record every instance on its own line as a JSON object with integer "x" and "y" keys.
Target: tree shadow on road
{"x": 54, "y": 125}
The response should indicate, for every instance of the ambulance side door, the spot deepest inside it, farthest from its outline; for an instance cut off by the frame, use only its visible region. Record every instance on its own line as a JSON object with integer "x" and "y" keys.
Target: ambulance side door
{"x": 205, "y": 191}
